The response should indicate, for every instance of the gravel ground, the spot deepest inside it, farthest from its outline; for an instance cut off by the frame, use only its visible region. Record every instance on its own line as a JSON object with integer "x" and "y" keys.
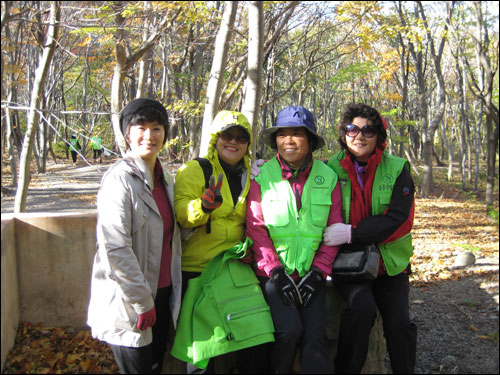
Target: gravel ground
{"x": 458, "y": 324}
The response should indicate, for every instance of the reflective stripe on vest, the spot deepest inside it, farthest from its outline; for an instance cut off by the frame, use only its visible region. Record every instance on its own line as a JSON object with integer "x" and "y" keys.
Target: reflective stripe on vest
{"x": 396, "y": 254}
{"x": 296, "y": 235}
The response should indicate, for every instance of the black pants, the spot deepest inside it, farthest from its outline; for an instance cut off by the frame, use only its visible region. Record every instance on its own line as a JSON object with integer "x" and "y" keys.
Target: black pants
{"x": 73, "y": 156}
{"x": 148, "y": 359}
{"x": 97, "y": 154}
{"x": 302, "y": 328}
{"x": 390, "y": 295}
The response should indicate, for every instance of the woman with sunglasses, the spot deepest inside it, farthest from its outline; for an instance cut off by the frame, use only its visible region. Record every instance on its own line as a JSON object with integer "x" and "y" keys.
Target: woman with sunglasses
{"x": 378, "y": 207}
{"x": 212, "y": 218}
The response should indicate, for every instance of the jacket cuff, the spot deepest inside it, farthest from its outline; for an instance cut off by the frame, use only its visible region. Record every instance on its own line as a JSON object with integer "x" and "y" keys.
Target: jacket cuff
{"x": 144, "y": 307}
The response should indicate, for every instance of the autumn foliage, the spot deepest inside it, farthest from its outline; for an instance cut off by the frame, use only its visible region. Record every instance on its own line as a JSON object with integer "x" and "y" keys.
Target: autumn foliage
{"x": 58, "y": 350}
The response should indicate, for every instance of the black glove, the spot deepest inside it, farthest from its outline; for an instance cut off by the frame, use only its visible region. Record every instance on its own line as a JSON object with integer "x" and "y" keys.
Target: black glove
{"x": 286, "y": 287}
{"x": 212, "y": 197}
{"x": 310, "y": 284}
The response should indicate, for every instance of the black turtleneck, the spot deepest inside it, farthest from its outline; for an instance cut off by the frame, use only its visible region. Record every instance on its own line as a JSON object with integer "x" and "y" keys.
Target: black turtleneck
{"x": 233, "y": 175}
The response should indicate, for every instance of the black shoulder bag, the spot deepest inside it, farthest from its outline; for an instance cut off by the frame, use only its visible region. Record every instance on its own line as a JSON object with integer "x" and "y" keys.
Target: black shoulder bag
{"x": 356, "y": 262}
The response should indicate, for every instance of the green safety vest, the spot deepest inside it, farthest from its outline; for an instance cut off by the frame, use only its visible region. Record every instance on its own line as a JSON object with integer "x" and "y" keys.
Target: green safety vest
{"x": 396, "y": 254}
{"x": 296, "y": 235}
{"x": 96, "y": 143}
{"x": 73, "y": 144}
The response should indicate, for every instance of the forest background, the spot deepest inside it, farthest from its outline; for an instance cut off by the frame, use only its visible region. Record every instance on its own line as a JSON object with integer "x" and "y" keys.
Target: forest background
{"x": 431, "y": 68}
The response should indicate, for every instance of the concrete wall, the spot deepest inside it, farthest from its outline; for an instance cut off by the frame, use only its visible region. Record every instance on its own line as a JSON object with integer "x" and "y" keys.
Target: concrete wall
{"x": 46, "y": 266}
{"x": 9, "y": 286}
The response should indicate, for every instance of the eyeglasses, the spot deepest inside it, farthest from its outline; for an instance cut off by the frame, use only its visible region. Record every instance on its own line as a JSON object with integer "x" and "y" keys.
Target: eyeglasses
{"x": 241, "y": 138}
{"x": 368, "y": 131}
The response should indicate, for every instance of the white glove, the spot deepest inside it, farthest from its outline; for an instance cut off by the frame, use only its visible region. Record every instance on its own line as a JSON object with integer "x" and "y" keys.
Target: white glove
{"x": 254, "y": 168}
{"x": 337, "y": 234}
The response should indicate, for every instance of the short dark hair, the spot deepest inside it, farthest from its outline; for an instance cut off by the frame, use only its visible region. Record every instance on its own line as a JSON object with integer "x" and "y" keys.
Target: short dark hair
{"x": 365, "y": 111}
{"x": 147, "y": 114}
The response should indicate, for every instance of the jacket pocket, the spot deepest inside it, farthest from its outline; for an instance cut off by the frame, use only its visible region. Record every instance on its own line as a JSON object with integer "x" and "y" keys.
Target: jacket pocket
{"x": 250, "y": 322}
{"x": 125, "y": 315}
{"x": 241, "y": 274}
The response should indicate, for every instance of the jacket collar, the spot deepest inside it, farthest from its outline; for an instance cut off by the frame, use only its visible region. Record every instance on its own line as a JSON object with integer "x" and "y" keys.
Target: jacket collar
{"x": 139, "y": 168}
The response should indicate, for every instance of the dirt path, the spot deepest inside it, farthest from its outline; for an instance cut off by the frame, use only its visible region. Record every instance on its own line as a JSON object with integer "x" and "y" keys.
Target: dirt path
{"x": 64, "y": 188}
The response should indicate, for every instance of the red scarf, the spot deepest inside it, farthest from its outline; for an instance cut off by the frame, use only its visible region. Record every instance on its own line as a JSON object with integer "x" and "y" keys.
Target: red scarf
{"x": 361, "y": 199}
{"x": 362, "y": 208}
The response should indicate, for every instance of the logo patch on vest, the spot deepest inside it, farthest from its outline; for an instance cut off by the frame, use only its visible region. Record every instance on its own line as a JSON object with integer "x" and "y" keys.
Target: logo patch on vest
{"x": 387, "y": 184}
{"x": 319, "y": 180}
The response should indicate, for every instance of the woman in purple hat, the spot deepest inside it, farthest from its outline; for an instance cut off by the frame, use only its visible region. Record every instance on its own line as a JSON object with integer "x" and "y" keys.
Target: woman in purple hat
{"x": 290, "y": 203}
{"x": 136, "y": 277}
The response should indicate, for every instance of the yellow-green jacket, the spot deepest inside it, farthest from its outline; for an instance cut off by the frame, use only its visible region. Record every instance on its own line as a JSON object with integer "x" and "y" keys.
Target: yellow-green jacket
{"x": 227, "y": 222}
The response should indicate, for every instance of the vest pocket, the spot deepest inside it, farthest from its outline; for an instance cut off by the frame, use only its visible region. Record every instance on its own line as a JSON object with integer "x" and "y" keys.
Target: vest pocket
{"x": 396, "y": 254}
{"x": 275, "y": 212}
{"x": 251, "y": 322}
{"x": 320, "y": 209}
{"x": 384, "y": 200}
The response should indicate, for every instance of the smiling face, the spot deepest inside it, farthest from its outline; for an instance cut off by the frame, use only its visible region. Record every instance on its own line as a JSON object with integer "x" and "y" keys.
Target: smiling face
{"x": 360, "y": 146}
{"x": 146, "y": 140}
{"x": 232, "y": 145}
{"x": 293, "y": 145}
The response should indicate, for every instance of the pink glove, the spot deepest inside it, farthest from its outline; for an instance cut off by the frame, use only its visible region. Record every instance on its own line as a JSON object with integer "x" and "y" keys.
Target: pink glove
{"x": 337, "y": 234}
{"x": 254, "y": 168}
{"x": 148, "y": 319}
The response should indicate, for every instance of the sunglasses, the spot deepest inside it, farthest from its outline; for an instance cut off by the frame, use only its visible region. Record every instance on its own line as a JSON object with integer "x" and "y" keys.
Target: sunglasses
{"x": 368, "y": 131}
{"x": 241, "y": 138}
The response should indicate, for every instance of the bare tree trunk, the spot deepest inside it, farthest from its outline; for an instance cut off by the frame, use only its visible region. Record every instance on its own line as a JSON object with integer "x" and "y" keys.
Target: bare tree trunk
{"x": 477, "y": 147}
{"x": 143, "y": 63}
{"x": 253, "y": 84}
{"x": 118, "y": 77}
{"x": 482, "y": 43}
{"x": 10, "y": 143}
{"x": 427, "y": 182}
{"x": 38, "y": 86}
{"x": 123, "y": 64}
{"x": 218, "y": 65}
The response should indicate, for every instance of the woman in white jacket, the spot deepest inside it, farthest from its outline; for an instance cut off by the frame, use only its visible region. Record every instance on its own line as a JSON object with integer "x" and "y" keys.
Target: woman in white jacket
{"x": 136, "y": 277}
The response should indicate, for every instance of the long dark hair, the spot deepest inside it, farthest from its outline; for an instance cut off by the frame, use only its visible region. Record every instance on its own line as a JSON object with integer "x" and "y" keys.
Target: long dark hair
{"x": 364, "y": 111}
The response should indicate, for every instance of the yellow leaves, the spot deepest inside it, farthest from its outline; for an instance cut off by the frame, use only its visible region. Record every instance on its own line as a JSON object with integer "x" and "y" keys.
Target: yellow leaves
{"x": 85, "y": 365}
{"x": 49, "y": 350}
{"x": 395, "y": 96}
{"x": 85, "y": 42}
{"x": 442, "y": 229}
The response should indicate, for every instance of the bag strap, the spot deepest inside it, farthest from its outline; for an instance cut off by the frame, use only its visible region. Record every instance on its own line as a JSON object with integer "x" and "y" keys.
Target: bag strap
{"x": 207, "y": 169}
